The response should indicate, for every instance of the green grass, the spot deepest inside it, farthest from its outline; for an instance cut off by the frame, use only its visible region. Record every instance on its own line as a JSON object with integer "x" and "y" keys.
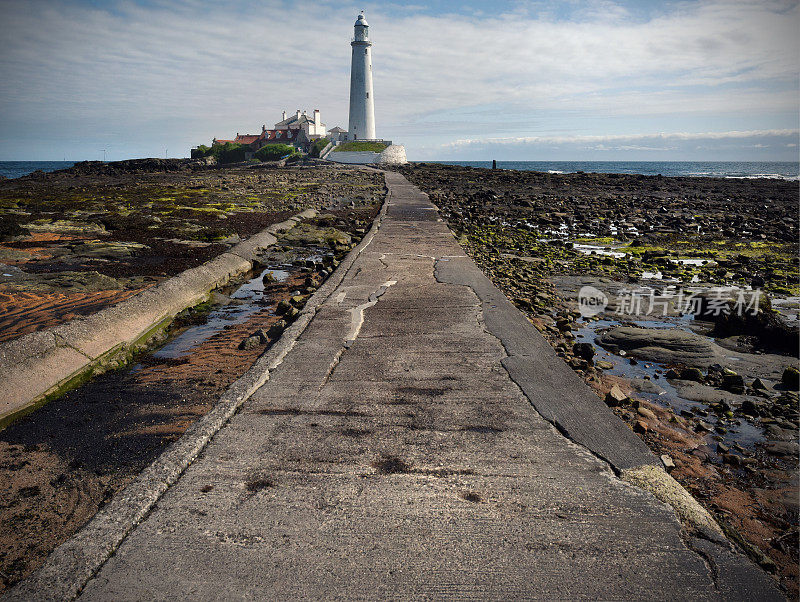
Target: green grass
{"x": 356, "y": 145}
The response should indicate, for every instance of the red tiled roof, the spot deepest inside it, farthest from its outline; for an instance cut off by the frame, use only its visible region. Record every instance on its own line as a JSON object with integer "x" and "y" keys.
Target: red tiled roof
{"x": 246, "y": 138}
{"x": 286, "y": 135}
{"x": 266, "y": 136}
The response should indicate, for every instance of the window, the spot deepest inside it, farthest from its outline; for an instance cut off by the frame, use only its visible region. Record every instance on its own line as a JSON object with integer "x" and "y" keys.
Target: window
{"x": 367, "y": 94}
{"x": 365, "y": 51}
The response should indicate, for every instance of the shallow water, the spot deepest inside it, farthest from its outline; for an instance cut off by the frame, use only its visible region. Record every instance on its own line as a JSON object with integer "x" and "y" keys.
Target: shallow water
{"x": 663, "y": 393}
{"x": 245, "y": 303}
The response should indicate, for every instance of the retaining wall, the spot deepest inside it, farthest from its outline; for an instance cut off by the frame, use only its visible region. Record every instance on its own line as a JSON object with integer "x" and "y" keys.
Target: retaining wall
{"x": 394, "y": 154}
{"x": 43, "y": 364}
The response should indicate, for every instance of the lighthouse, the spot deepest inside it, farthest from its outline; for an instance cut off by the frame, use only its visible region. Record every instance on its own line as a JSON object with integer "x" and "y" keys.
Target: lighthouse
{"x": 362, "y": 109}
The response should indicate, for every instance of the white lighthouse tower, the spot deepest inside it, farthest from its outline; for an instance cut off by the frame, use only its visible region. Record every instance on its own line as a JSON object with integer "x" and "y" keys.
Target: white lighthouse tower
{"x": 362, "y": 109}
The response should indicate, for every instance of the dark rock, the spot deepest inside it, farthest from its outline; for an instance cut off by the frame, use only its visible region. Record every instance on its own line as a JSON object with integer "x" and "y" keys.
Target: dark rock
{"x": 578, "y": 364}
{"x": 583, "y": 350}
{"x": 276, "y": 329}
{"x": 791, "y": 377}
{"x": 750, "y": 407}
{"x": 733, "y": 383}
{"x": 782, "y": 448}
{"x": 693, "y": 374}
{"x": 732, "y": 459}
{"x": 283, "y": 307}
{"x": 774, "y": 432}
{"x": 250, "y": 342}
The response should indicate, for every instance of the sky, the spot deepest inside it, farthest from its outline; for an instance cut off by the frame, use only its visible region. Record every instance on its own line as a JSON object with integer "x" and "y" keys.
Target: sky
{"x": 707, "y": 80}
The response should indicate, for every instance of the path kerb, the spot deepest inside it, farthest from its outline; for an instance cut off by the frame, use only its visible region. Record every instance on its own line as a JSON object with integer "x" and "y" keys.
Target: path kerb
{"x": 73, "y": 564}
{"x": 70, "y": 566}
{"x": 42, "y": 364}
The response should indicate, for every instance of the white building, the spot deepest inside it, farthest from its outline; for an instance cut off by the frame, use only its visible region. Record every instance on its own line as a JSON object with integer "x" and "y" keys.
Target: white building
{"x": 337, "y": 134}
{"x": 312, "y": 126}
{"x": 362, "y": 109}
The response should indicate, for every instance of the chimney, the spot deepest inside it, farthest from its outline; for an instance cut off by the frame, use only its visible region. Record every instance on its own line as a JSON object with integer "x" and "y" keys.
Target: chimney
{"x": 284, "y": 116}
{"x": 317, "y": 119}
{"x": 298, "y": 113}
{"x": 263, "y": 129}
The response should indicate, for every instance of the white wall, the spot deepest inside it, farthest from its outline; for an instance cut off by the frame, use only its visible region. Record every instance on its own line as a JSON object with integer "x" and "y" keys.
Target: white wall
{"x": 362, "y": 109}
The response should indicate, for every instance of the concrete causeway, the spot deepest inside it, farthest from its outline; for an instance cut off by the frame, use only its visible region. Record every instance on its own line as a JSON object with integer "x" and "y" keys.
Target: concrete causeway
{"x": 399, "y": 450}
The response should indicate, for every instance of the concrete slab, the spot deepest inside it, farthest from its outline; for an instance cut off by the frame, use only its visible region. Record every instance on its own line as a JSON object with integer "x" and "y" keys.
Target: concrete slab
{"x": 398, "y": 455}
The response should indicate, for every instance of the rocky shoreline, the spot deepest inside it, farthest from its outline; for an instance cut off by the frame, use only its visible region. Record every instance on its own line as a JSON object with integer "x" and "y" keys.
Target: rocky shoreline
{"x": 715, "y": 398}
{"x": 713, "y": 393}
{"x": 74, "y": 241}
{"x": 63, "y": 462}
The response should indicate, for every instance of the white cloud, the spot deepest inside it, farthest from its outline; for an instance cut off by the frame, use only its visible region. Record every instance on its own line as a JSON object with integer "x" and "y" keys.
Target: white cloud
{"x": 180, "y": 72}
{"x": 624, "y": 137}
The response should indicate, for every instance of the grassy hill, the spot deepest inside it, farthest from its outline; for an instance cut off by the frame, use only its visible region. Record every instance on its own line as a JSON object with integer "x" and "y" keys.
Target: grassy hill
{"x": 361, "y": 145}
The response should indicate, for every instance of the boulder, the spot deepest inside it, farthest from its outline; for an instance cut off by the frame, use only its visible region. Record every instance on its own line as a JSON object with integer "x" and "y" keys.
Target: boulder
{"x": 276, "y": 329}
{"x": 250, "y": 342}
{"x": 733, "y": 383}
{"x": 791, "y": 378}
{"x": 660, "y": 345}
{"x": 615, "y": 397}
{"x": 782, "y": 448}
{"x": 583, "y": 350}
{"x": 645, "y": 413}
{"x": 692, "y": 374}
{"x": 283, "y": 307}
{"x": 750, "y": 407}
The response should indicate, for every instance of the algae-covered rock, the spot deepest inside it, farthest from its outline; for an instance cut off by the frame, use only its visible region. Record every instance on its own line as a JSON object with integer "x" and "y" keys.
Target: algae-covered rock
{"x": 64, "y": 282}
{"x": 64, "y": 226}
{"x": 108, "y": 250}
{"x": 791, "y": 377}
{"x": 7, "y": 254}
{"x": 309, "y": 234}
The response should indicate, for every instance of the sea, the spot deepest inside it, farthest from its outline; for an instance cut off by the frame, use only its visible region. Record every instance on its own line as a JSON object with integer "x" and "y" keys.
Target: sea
{"x": 782, "y": 170}
{"x": 16, "y": 169}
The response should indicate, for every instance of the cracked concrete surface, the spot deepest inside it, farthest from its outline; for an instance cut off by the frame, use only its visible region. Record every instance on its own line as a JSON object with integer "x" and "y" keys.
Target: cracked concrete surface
{"x": 395, "y": 452}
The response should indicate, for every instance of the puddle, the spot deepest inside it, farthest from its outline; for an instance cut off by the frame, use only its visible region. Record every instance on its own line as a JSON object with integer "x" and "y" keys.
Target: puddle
{"x": 245, "y": 304}
{"x": 254, "y": 288}
{"x": 656, "y": 388}
{"x": 788, "y": 307}
{"x": 597, "y": 250}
